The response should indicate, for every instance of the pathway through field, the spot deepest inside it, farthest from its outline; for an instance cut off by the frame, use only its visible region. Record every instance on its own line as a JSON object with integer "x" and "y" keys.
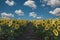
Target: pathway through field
{"x": 28, "y": 33}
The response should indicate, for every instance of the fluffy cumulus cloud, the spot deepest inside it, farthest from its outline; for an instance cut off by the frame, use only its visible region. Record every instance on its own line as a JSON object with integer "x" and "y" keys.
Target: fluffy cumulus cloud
{"x": 55, "y": 12}
{"x": 31, "y": 4}
{"x": 6, "y": 15}
{"x": 19, "y": 12}
{"x": 32, "y": 14}
{"x": 52, "y": 3}
{"x": 39, "y": 17}
{"x": 10, "y": 3}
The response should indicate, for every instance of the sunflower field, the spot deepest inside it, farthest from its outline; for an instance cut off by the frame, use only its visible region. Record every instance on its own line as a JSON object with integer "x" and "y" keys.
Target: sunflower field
{"x": 44, "y": 29}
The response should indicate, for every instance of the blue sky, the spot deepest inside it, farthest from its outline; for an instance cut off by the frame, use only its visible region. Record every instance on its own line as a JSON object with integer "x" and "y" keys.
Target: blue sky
{"x": 30, "y": 9}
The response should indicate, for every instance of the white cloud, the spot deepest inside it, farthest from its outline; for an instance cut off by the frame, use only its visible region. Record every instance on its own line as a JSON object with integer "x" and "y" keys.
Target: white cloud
{"x": 43, "y": 5}
{"x": 32, "y": 14}
{"x": 19, "y": 12}
{"x": 39, "y": 17}
{"x": 52, "y": 3}
{"x": 10, "y": 3}
{"x": 6, "y": 15}
{"x": 45, "y": 0}
{"x": 31, "y": 4}
{"x": 56, "y": 12}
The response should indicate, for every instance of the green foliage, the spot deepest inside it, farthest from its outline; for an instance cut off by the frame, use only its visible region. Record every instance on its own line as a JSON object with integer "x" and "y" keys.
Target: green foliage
{"x": 45, "y": 29}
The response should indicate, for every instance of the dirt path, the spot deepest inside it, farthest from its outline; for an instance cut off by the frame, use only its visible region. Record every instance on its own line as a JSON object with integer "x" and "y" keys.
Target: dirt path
{"x": 28, "y": 33}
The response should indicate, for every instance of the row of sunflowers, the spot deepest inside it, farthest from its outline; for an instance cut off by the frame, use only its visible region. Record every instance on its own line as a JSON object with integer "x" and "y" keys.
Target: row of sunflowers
{"x": 45, "y": 28}
{"x": 53, "y": 25}
{"x": 11, "y": 27}
{"x": 48, "y": 28}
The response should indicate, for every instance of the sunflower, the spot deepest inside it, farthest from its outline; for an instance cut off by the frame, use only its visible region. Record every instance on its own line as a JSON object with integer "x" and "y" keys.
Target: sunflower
{"x": 43, "y": 23}
{"x": 20, "y": 22}
{"x": 53, "y": 25}
{"x": 0, "y": 29}
{"x": 55, "y": 32}
{"x": 14, "y": 21}
{"x": 2, "y": 22}
{"x": 15, "y": 26}
{"x": 58, "y": 28}
{"x": 37, "y": 25}
{"x": 10, "y": 23}
{"x": 24, "y": 22}
{"x": 47, "y": 27}
{"x": 54, "y": 21}
{"x": 5, "y": 20}
{"x": 58, "y": 23}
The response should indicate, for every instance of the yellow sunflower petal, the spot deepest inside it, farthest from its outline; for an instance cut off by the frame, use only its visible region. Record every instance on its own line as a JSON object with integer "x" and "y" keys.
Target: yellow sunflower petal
{"x": 55, "y": 32}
